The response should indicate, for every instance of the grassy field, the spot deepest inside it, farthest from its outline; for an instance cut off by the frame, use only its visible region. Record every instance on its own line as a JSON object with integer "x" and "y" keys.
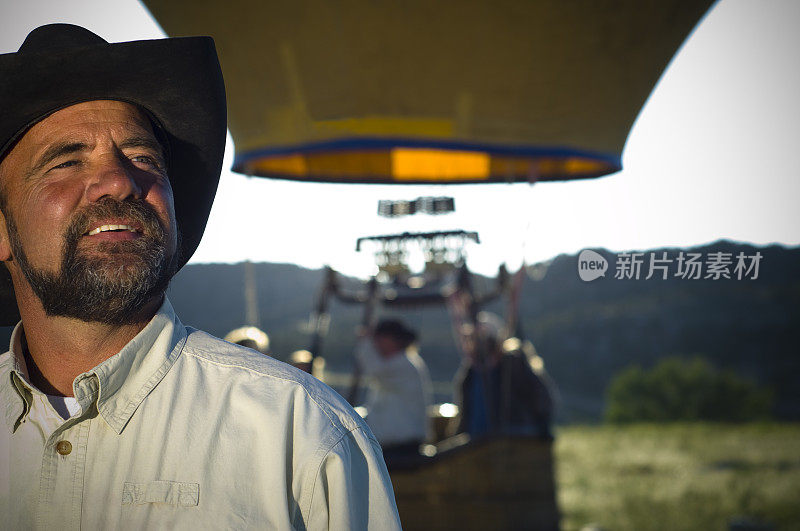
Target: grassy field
{"x": 678, "y": 476}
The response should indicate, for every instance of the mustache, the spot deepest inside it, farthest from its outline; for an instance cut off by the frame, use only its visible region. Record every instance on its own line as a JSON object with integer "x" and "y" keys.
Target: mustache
{"x": 134, "y": 211}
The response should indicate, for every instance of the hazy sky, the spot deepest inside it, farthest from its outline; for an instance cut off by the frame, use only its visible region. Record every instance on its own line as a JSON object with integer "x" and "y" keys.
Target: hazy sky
{"x": 712, "y": 155}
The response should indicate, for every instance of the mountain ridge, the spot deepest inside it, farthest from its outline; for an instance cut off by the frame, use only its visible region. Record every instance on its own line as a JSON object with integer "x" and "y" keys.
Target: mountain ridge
{"x": 585, "y": 331}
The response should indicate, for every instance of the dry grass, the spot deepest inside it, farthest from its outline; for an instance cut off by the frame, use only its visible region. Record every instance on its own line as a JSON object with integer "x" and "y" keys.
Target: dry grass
{"x": 678, "y": 476}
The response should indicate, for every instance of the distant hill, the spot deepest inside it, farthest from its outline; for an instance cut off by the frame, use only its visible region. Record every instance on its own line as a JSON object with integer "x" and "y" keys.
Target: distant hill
{"x": 588, "y": 331}
{"x": 585, "y": 331}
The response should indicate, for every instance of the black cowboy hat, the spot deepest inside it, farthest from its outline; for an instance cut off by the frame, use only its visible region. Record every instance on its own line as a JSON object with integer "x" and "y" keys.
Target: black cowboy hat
{"x": 177, "y": 81}
{"x": 396, "y": 329}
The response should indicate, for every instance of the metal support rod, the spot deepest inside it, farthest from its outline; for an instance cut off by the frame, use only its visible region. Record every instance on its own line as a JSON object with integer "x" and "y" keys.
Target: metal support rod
{"x": 252, "y": 317}
{"x": 319, "y": 318}
{"x": 366, "y": 324}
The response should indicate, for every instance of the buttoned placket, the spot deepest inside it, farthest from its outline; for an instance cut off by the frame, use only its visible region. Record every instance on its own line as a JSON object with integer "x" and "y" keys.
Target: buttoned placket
{"x": 60, "y": 497}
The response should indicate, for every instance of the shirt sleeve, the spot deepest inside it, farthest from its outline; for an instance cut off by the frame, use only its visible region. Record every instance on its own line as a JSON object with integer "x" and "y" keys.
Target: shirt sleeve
{"x": 352, "y": 489}
{"x": 368, "y": 357}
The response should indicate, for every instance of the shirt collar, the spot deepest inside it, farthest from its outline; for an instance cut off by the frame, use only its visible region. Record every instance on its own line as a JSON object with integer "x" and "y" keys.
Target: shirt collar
{"x": 16, "y": 392}
{"x": 118, "y": 385}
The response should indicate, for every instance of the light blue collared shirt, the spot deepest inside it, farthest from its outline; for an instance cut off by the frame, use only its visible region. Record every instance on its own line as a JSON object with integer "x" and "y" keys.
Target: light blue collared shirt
{"x": 181, "y": 430}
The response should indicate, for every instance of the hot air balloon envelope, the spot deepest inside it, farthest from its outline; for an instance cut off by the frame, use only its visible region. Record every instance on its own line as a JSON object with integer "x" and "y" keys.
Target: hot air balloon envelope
{"x": 446, "y": 91}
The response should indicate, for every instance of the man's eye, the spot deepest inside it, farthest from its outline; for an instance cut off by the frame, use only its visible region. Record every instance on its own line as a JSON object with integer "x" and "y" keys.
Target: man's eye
{"x": 66, "y": 164}
{"x": 147, "y": 160}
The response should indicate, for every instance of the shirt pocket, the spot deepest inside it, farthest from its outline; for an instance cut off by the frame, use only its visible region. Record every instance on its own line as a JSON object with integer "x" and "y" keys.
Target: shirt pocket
{"x": 174, "y": 493}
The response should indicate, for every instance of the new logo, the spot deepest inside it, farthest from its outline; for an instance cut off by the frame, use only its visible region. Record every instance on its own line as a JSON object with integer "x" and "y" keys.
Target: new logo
{"x": 591, "y": 265}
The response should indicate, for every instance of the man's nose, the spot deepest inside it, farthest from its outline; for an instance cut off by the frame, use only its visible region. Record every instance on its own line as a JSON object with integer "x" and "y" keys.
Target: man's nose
{"x": 113, "y": 178}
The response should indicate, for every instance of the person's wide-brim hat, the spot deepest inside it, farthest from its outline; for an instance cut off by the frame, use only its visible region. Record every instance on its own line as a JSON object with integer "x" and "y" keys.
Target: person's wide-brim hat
{"x": 178, "y": 82}
{"x": 396, "y": 329}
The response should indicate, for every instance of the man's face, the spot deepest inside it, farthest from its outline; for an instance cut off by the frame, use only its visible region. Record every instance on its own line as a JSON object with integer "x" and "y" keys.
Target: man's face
{"x": 88, "y": 220}
{"x": 386, "y": 345}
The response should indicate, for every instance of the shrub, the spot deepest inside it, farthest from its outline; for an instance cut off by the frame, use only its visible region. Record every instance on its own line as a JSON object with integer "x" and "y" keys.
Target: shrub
{"x": 681, "y": 390}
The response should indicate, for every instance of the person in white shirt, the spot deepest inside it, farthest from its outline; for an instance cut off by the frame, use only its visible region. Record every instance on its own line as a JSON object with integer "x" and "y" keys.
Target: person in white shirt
{"x": 399, "y": 388}
{"x": 114, "y": 414}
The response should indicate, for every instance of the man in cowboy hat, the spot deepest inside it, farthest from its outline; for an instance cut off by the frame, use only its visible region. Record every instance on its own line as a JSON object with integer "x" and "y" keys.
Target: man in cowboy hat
{"x": 114, "y": 414}
{"x": 399, "y": 389}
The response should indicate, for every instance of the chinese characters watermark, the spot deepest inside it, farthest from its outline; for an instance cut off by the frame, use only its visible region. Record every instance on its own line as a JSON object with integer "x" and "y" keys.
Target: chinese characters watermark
{"x": 686, "y": 265}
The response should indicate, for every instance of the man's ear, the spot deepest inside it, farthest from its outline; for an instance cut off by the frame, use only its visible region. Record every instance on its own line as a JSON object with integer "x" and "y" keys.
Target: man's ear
{"x": 5, "y": 244}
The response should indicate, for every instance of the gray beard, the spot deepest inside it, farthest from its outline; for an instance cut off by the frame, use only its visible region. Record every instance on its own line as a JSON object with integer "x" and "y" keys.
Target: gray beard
{"x": 111, "y": 288}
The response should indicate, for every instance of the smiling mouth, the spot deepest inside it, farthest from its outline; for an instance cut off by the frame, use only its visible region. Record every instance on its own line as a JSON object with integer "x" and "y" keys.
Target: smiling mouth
{"x": 112, "y": 228}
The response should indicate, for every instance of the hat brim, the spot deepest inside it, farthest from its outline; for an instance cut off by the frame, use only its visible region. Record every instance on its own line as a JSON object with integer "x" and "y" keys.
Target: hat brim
{"x": 178, "y": 81}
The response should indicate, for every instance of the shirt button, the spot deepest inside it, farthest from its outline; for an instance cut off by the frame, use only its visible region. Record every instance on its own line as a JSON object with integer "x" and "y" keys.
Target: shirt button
{"x": 64, "y": 447}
